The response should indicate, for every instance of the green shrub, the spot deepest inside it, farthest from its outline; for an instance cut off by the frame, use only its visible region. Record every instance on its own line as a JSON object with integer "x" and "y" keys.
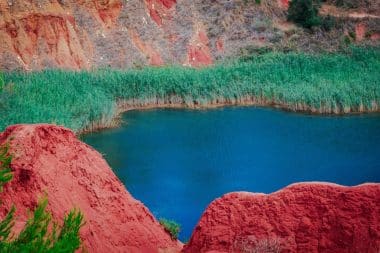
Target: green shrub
{"x": 40, "y": 233}
{"x": 304, "y": 12}
{"x": 368, "y": 34}
{"x": 2, "y": 81}
{"x": 328, "y": 22}
{"x": 352, "y": 35}
{"x": 251, "y": 1}
{"x": 347, "y": 40}
{"x": 172, "y": 227}
{"x": 5, "y": 163}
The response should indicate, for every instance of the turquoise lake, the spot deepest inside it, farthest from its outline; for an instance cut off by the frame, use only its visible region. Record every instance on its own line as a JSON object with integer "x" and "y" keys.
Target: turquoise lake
{"x": 177, "y": 161}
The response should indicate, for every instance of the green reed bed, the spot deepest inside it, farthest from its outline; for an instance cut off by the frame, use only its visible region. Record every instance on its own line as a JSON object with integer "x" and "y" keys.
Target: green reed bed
{"x": 88, "y": 99}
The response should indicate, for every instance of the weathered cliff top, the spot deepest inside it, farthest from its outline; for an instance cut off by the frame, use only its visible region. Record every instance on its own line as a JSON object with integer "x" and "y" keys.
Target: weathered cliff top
{"x": 50, "y": 159}
{"x": 303, "y": 217}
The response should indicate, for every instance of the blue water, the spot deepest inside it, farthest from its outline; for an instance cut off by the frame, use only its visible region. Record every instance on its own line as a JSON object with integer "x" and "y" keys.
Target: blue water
{"x": 177, "y": 161}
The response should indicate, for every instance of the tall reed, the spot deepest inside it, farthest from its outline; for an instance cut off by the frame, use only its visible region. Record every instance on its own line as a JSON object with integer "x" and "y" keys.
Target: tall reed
{"x": 88, "y": 99}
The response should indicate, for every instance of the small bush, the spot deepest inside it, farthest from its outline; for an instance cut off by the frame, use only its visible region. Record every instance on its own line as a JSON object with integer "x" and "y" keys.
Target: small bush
{"x": 172, "y": 227}
{"x": 328, "y": 22}
{"x": 2, "y": 81}
{"x": 352, "y": 35}
{"x": 250, "y": 1}
{"x": 304, "y": 12}
{"x": 368, "y": 34}
{"x": 5, "y": 163}
{"x": 40, "y": 233}
{"x": 35, "y": 237}
{"x": 347, "y": 40}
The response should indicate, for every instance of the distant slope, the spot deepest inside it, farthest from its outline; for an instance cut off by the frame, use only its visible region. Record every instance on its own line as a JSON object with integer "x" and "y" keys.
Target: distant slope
{"x": 116, "y": 33}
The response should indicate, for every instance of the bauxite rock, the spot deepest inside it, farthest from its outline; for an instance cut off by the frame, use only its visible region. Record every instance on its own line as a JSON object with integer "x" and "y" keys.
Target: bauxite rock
{"x": 50, "y": 159}
{"x": 305, "y": 217}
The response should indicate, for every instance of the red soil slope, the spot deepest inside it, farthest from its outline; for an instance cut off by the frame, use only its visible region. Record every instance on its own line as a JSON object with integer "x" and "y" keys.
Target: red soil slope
{"x": 33, "y": 35}
{"x": 88, "y": 34}
{"x": 51, "y": 159}
{"x": 307, "y": 217}
{"x": 199, "y": 51}
{"x": 160, "y": 10}
{"x": 151, "y": 54}
{"x": 106, "y": 12}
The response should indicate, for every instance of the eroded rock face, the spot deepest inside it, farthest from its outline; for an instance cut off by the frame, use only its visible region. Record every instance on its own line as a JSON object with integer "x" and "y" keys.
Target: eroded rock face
{"x": 37, "y": 35}
{"x": 160, "y": 10}
{"x": 199, "y": 53}
{"x": 306, "y": 217}
{"x": 116, "y": 33}
{"x": 50, "y": 159}
{"x": 89, "y": 34}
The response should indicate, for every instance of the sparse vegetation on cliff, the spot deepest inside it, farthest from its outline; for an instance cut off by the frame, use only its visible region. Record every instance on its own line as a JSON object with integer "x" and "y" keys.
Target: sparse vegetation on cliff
{"x": 172, "y": 227}
{"x": 324, "y": 83}
{"x": 304, "y": 12}
{"x": 40, "y": 233}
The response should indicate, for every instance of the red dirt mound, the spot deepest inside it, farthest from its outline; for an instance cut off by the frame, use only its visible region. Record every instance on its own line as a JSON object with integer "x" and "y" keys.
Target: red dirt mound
{"x": 51, "y": 159}
{"x": 306, "y": 217}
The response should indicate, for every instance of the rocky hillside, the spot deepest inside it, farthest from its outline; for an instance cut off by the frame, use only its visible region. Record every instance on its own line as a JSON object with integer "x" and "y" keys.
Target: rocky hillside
{"x": 306, "y": 217}
{"x": 118, "y": 33}
{"x": 49, "y": 159}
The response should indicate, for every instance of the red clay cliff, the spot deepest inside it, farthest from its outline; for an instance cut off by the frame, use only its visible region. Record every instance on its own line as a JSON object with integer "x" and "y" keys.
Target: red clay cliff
{"x": 89, "y": 34}
{"x": 50, "y": 159}
{"x": 306, "y": 217}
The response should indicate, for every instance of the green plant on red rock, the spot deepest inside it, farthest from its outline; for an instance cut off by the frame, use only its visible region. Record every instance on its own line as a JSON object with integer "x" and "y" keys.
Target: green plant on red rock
{"x": 171, "y": 226}
{"x": 41, "y": 234}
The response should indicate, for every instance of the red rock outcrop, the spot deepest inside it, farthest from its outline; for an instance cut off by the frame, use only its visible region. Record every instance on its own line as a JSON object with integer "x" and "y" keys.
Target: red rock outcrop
{"x": 160, "y": 10}
{"x": 375, "y": 36}
{"x": 150, "y": 53}
{"x": 219, "y": 44}
{"x": 199, "y": 53}
{"x": 360, "y": 31}
{"x": 305, "y": 217}
{"x": 283, "y": 4}
{"x": 88, "y": 34}
{"x": 33, "y": 35}
{"x": 106, "y": 11}
{"x": 50, "y": 159}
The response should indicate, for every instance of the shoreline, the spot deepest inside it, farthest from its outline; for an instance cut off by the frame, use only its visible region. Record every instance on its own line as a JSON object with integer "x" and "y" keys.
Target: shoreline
{"x": 329, "y": 84}
{"x": 176, "y": 102}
